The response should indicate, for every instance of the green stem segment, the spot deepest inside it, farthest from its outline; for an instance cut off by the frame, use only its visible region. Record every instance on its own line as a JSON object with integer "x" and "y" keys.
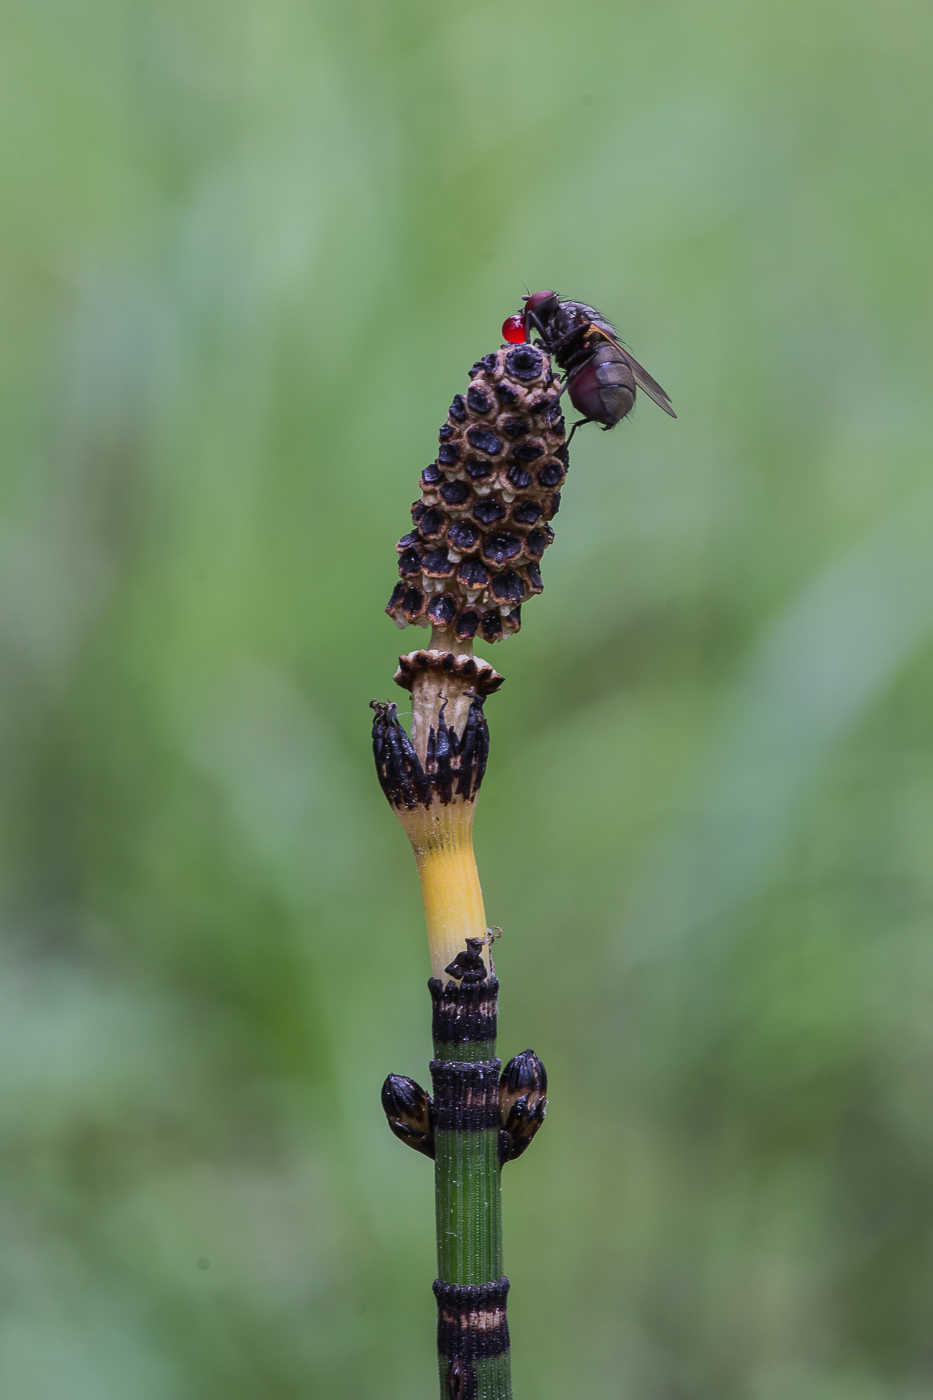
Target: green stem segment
{"x": 472, "y": 1328}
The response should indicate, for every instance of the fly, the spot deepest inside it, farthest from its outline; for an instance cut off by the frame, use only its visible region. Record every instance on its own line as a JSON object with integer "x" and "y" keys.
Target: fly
{"x": 600, "y": 375}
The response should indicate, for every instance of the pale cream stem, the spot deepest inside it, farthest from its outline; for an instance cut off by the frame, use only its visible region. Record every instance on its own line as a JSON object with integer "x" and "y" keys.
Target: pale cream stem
{"x": 442, "y": 834}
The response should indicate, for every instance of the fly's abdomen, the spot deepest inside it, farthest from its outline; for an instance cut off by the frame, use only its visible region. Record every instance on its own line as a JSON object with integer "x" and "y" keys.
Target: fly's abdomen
{"x": 604, "y": 389}
{"x": 616, "y": 385}
{"x": 585, "y": 393}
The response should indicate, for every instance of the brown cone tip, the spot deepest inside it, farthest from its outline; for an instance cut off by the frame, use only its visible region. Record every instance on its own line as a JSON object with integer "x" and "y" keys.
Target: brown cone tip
{"x": 480, "y": 525}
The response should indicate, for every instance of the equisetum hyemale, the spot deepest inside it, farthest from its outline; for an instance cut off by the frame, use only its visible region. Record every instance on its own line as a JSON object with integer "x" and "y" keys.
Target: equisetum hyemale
{"x": 471, "y": 560}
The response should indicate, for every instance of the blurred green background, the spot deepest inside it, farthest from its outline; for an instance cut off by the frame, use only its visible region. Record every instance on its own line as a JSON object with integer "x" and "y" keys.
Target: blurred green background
{"x": 249, "y": 251}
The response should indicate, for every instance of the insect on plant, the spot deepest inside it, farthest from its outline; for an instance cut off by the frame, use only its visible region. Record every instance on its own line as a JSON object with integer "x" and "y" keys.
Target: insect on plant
{"x": 472, "y": 559}
{"x": 600, "y": 375}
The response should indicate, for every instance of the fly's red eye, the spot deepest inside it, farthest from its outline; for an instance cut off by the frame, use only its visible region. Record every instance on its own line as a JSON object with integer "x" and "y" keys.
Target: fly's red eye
{"x": 513, "y": 330}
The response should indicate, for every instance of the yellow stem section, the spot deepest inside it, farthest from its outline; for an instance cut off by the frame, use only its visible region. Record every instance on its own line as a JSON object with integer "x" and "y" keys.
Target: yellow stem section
{"x": 441, "y": 837}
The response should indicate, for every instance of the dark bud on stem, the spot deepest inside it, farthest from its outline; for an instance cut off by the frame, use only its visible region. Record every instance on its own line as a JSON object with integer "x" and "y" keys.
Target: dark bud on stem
{"x": 453, "y": 767}
{"x": 410, "y": 1113}
{"x": 468, "y": 966}
{"x": 522, "y": 1103}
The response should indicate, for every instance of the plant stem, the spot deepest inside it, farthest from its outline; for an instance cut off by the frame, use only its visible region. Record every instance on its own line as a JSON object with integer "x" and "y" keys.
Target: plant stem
{"x": 478, "y": 1117}
{"x": 442, "y": 840}
{"x": 472, "y": 1331}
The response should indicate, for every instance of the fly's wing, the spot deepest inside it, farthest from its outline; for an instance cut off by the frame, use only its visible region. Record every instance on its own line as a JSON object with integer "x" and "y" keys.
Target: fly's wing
{"x": 642, "y": 378}
{"x": 650, "y": 386}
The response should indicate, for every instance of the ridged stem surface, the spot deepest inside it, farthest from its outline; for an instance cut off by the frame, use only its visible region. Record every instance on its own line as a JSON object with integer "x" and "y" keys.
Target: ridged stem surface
{"x": 469, "y": 1210}
{"x": 442, "y": 839}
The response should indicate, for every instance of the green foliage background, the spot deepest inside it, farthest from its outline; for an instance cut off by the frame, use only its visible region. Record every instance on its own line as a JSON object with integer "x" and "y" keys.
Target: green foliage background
{"x": 249, "y": 251}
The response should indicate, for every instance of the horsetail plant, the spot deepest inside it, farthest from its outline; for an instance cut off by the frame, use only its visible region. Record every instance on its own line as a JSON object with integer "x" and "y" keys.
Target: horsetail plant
{"x": 471, "y": 560}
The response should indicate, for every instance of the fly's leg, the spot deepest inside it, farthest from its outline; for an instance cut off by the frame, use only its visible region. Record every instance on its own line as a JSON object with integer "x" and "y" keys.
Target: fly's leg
{"x": 579, "y": 424}
{"x": 570, "y": 375}
{"x": 531, "y": 319}
{"x": 572, "y": 372}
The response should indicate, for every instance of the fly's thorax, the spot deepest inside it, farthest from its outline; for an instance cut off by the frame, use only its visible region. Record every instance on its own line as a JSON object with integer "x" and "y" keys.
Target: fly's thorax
{"x": 569, "y": 317}
{"x": 590, "y": 316}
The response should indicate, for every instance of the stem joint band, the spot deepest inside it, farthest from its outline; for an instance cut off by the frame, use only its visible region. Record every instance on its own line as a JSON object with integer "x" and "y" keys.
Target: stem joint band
{"x": 471, "y": 1320}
